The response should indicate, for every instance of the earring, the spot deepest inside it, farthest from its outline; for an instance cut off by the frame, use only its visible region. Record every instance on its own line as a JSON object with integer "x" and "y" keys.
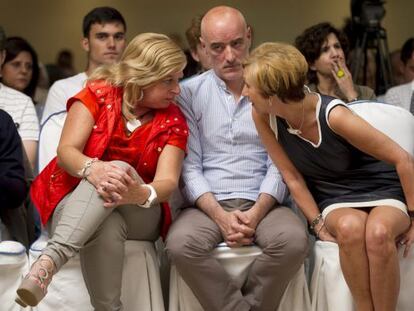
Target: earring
{"x": 141, "y": 96}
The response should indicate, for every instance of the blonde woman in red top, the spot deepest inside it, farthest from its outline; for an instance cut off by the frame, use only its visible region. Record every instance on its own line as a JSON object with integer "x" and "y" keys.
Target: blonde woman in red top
{"x": 118, "y": 159}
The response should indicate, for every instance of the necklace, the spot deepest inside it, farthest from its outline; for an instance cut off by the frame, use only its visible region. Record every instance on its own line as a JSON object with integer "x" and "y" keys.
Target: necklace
{"x": 132, "y": 125}
{"x": 298, "y": 131}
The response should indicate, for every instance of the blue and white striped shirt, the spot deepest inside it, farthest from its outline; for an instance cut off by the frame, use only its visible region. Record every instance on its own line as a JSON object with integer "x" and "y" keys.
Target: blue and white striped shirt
{"x": 225, "y": 155}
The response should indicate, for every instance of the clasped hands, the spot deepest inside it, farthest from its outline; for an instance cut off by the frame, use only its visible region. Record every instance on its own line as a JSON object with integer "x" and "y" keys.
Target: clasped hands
{"x": 115, "y": 184}
{"x": 237, "y": 227}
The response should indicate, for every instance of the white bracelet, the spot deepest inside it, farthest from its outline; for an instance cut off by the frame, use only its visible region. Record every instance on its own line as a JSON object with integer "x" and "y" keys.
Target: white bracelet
{"x": 85, "y": 171}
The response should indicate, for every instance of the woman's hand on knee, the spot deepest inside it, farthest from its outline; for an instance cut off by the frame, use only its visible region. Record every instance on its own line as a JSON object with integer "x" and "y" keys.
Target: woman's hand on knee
{"x": 407, "y": 240}
{"x": 323, "y": 234}
{"x": 103, "y": 174}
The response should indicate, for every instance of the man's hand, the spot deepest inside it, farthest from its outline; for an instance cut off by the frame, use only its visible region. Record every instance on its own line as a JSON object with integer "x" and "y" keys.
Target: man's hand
{"x": 235, "y": 228}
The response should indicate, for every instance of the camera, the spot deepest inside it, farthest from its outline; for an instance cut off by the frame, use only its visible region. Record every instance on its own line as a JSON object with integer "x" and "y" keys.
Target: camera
{"x": 367, "y": 13}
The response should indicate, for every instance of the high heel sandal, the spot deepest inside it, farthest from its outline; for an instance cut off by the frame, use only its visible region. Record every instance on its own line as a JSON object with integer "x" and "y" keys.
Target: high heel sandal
{"x": 34, "y": 285}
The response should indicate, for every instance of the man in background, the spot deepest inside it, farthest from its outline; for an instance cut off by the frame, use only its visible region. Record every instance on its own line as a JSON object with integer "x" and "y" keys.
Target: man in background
{"x": 403, "y": 95}
{"x": 104, "y": 41}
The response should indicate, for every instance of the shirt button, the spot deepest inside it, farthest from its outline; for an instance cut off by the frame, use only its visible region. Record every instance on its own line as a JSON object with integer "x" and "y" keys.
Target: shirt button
{"x": 95, "y": 127}
{"x": 175, "y": 119}
{"x": 185, "y": 132}
{"x": 102, "y": 99}
{"x": 168, "y": 121}
{"x": 162, "y": 126}
{"x": 98, "y": 91}
{"x": 159, "y": 149}
{"x": 145, "y": 163}
{"x": 108, "y": 106}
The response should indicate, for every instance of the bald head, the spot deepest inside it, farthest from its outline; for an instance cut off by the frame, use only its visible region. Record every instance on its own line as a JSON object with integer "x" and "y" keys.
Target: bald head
{"x": 226, "y": 40}
{"x": 222, "y": 18}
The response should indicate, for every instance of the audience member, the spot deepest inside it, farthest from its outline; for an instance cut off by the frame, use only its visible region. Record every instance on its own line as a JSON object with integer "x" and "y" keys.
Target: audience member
{"x": 13, "y": 188}
{"x": 20, "y": 69}
{"x": 397, "y": 68}
{"x": 16, "y": 213}
{"x": 348, "y": 196}
{"x": 119, "y": 159}
{"x": 403, "y": 95}
{"x": 324, "y": 48}
{"x": 104, "y": 41}
{"x": 18, "y": 105}
{"x": 63, "y": 68}
{"x": 234, "y": 190}
{"x": 193, "y": 34}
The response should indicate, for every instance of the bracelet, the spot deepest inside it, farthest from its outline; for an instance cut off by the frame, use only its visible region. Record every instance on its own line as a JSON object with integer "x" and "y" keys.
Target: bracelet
{"x": 85, "y": 171}
{"x": 315, "y": 221}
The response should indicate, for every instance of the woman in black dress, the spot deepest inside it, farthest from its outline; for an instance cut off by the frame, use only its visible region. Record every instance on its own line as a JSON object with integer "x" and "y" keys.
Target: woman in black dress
{"x": 353, "y": 183}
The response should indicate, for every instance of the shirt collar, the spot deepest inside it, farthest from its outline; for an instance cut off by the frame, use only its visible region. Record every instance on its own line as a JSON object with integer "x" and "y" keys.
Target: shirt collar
{"x": 222, "y": 85}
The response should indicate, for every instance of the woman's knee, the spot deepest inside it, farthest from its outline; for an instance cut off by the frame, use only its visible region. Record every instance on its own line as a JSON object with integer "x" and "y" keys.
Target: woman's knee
{"x": 350, "y": 229}
{"x": 379, "y": 239}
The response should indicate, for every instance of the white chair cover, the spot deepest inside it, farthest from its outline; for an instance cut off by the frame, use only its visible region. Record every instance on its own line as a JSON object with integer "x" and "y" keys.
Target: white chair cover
{"x": 236, "y": 262}
{"x": 13, "y": 266}
{"x": 141, "y": 288}
{"x": 329, "y": 291}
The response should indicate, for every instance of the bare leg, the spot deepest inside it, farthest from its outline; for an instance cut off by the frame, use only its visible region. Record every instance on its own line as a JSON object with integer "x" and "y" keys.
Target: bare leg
{"x": 384, "y": 225}
{"x": 348, "y": 227}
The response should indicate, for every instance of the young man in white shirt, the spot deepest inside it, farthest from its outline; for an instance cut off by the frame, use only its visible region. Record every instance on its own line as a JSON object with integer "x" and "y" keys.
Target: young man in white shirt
{"x": 104, "y": 41}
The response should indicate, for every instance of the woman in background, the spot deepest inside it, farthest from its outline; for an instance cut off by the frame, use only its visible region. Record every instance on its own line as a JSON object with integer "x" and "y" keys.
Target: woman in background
{"x": 324, "y": 48}
{"x": 20, "y": 70}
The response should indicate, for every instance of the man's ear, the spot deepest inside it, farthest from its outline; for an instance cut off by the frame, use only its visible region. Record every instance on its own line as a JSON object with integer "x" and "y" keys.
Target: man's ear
{"x": 249, "y": 35}
{"x": 203, "y": 43}
{"x": 195, "y": 56}
{"x": 85, "y": 44}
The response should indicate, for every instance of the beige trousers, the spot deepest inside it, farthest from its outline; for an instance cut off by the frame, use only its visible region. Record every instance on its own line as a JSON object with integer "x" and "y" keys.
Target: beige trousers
{"x": 81, "y": 223}
{"x": 280, "y": 234}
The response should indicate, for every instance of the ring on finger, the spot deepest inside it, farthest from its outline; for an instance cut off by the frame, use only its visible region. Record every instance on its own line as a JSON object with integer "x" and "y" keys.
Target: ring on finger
{"x": 340, "y": 73}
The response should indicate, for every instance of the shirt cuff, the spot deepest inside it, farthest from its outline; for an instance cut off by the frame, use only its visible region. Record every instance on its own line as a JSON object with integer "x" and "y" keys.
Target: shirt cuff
{"x": 274, "y": 187}
{"x": 194, "y": 188}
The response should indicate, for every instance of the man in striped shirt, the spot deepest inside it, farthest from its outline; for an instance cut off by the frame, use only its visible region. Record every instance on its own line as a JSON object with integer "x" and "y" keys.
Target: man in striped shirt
{"x": 233, "y": 188}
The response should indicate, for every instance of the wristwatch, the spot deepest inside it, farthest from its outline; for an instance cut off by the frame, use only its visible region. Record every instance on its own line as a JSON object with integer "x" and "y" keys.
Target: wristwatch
{"x": 151, "y": 199}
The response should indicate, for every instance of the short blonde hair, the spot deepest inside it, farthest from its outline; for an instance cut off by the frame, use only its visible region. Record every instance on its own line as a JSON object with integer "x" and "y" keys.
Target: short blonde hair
{"x": 277, "y": 69}
{"x": 147, "y": 59}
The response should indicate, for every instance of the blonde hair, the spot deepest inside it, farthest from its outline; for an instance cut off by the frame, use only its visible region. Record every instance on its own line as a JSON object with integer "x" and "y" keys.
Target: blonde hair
{"x": 148, "y": 58}
{"x": 277, "y": 69}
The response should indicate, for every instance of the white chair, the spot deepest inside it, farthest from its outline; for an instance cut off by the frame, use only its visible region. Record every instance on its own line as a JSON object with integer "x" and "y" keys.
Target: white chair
{"x": 329, "y": 290}
{"x": 236, "y": 262}
{"x": 141, "y": 288}
{"x": 13, "y": 266}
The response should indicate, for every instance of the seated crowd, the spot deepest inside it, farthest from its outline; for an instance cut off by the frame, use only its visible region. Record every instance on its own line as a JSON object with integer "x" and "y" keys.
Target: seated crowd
{"x": 247, "y": 134}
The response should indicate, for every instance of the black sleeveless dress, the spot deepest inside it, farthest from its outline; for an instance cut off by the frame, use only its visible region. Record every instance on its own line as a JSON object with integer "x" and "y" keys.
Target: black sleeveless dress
{"x": 337, "y": 174}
